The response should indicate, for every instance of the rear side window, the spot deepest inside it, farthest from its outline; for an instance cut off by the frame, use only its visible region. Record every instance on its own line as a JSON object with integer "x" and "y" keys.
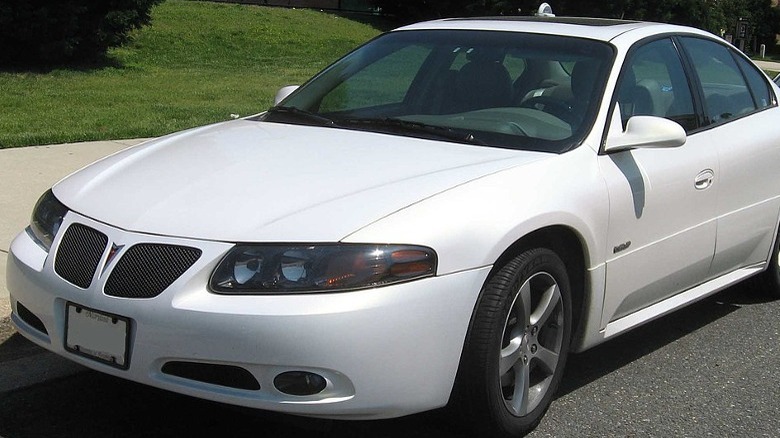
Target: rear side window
{"x": 726, "y": 93}
{"x": 758, "y": 85}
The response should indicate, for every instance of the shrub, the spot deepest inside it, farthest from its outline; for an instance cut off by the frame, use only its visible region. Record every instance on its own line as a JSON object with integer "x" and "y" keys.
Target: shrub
{"x": 50, "y": 32}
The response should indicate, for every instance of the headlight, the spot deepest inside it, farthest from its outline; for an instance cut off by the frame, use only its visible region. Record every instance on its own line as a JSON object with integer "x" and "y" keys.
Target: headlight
{"x": 268, "y": 269}
{"x": 46, "y": 219}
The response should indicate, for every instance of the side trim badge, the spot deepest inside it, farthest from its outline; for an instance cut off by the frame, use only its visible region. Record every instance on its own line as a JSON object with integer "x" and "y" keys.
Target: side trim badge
{"x": 622, "y": 247}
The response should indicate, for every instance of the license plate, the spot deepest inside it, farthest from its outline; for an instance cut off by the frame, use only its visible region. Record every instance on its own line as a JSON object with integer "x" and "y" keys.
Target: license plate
{"x": 97, "y": 335}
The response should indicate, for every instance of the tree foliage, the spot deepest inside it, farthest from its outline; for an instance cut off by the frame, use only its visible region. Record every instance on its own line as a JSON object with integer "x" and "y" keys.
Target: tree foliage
{"x": 48, "y": 32}
{"x": 717, "y": 16}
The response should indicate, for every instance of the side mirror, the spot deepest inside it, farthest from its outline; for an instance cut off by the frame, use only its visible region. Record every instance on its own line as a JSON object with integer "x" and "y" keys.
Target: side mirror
{"x": 283, "y": 93}
{"x": 646, "y": 132}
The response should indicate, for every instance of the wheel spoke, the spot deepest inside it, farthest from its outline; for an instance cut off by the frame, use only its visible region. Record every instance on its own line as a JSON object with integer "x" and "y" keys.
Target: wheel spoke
{"x": 510, "y": 355}
{"x": 547, "y": 359}
{"x": 548, "y": 303}
{"x": 525, "y": 300}
{"x": 522, "y": 387}
{"x": 531, "y": 343}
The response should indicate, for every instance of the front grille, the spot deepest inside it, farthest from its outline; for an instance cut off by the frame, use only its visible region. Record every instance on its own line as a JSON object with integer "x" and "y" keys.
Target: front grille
{"x": 79, "y": 254}
{"x": 147, "y": 269}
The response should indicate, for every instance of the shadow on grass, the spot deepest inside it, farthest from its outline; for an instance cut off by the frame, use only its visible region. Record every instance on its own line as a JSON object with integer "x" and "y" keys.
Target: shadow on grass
{"x": 381, "y": 23}
{"x": 99, "y": 63}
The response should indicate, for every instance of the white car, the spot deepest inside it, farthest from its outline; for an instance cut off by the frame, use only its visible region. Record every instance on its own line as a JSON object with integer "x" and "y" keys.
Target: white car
{"x": 437, "y": 219}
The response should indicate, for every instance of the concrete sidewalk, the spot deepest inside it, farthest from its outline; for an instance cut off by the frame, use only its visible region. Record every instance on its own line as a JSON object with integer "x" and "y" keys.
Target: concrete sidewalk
{"x": 768, "y": 65}
{"x": 28, "y": 172}
{"x": 25, "y": 174}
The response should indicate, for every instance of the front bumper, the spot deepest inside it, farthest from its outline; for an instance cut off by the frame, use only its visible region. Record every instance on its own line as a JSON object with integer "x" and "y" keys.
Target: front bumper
{"x": 384, "y": 352}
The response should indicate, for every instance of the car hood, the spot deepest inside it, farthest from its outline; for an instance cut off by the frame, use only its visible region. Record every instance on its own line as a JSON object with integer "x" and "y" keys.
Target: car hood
{"x": 248, "y": 181}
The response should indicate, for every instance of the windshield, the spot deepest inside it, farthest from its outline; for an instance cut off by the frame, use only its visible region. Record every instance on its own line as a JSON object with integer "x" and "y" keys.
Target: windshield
{"x": 503, "y": 89}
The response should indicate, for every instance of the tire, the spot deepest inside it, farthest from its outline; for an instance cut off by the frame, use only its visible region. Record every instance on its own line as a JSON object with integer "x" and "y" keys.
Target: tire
{"x": 769, "y": 280}
{"x": 516, "y": 347}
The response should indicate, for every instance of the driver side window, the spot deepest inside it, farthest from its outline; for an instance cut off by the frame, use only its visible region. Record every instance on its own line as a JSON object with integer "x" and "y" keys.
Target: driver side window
{"x": 653, "y": 83}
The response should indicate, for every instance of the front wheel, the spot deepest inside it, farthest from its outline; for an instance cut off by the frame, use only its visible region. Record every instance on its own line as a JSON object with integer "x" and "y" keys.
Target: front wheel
{"x": 516, "y": 347}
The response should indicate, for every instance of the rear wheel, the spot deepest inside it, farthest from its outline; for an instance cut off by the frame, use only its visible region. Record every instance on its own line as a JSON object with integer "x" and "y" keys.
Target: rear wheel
{"x": 517, "y": 346}
{"x": 769, "y": 280}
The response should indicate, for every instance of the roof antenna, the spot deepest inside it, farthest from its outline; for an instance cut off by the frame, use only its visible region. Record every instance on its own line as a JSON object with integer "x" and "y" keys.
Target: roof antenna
{"x": 545, "y": 10}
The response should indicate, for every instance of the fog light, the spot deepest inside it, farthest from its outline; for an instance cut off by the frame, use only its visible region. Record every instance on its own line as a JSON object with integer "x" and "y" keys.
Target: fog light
{"x": 300, "y": 383}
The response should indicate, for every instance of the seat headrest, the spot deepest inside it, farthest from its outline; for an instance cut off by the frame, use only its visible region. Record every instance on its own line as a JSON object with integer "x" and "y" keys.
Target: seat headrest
{"x": 583, "y": 78}
{"x": 483, "y": 84}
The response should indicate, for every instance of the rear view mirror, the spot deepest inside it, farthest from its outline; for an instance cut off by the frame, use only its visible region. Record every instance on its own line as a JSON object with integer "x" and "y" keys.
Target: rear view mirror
{"x": 647, "y": 132}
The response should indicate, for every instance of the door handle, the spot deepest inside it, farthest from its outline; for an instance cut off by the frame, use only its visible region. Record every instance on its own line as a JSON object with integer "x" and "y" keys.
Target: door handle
{"x": 704, "y": 179}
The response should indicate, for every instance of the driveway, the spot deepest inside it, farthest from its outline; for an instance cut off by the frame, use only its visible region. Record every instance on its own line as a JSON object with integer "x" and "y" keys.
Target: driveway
{"x": 26, "y": 173}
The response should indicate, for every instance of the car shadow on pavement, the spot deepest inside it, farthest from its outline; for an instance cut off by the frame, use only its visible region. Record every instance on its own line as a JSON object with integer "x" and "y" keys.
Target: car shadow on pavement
{"x": 91, "y": 404}
{"x": 12, "y": 344}
{"x": 606, "y": 358}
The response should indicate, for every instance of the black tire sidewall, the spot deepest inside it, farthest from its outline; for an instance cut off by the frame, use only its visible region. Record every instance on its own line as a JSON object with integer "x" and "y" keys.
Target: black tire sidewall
{"x": 773, "y": 271}
{"x": 482, "y": 349}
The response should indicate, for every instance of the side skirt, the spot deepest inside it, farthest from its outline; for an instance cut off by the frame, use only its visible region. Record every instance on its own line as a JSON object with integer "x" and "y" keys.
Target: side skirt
{"x": 680, "y": 300}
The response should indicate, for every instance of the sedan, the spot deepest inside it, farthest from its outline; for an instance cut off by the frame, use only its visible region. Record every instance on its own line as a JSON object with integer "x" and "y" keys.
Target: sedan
{"x": 438, "y": 219}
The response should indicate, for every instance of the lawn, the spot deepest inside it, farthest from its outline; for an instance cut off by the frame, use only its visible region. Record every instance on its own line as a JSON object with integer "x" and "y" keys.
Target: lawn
{"x": 197, "y": 63}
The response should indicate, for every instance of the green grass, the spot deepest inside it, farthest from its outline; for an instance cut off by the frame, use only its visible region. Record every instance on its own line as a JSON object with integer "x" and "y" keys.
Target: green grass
{"x": 197, "y": 63}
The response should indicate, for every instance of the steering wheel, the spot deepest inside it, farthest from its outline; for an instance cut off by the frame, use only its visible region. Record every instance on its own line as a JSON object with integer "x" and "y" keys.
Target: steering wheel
{"x": 550, "y": 105}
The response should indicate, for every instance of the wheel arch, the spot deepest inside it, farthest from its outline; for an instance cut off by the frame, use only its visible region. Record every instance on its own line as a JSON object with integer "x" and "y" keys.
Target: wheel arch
{"x": 570, "y": 246}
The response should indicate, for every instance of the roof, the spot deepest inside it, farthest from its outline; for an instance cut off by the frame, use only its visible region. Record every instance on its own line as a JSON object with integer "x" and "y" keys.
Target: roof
{"x": 593, "y": 28}
{"x": 585, "y": 21}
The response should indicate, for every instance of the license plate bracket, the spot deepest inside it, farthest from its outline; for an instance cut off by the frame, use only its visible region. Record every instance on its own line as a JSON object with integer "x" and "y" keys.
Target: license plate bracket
{"x": 97, "y": 335}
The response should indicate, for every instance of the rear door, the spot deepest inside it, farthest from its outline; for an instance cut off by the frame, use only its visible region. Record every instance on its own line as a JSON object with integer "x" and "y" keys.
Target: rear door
{"x": 743, "y": 125}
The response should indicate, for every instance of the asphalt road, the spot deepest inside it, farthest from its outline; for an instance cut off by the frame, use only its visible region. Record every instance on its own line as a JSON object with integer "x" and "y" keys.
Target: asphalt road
{"x": 709, "y": 370}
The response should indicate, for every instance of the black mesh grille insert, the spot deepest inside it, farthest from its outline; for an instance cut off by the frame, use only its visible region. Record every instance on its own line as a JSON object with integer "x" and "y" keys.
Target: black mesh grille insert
{"x": 147, "y": 269}
{"x": 223, "y": 375}
{"x": 30, "y": 318}
{"x": 79, "y": 254}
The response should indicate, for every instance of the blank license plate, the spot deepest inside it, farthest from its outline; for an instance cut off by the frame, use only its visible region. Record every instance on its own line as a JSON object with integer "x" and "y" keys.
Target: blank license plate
{"x": 97, "y": 335}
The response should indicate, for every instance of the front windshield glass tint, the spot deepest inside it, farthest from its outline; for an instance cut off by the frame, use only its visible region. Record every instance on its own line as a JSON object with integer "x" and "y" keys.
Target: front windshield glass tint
{"x": 504, "y": 89}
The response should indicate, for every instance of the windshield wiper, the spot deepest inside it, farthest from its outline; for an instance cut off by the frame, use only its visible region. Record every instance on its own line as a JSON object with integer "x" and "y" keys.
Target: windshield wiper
{"x": 396, "y": 125}
{"x": 293, "y": 114}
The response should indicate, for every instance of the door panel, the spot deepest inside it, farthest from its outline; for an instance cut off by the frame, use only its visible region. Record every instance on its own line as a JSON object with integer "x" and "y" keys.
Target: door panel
{"x": 670, "y": 224}
{"x": 662, "y": 221}
{"x": 743, "y": 128}
{"x": 749, "y": 184}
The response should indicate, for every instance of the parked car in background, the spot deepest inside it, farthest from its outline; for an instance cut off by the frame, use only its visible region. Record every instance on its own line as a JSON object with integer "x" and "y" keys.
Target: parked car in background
{"x": 437, "y": 219}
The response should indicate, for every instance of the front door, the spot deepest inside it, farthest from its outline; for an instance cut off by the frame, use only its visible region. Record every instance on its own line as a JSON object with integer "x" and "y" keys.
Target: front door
{"x": 662, "y": 221}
